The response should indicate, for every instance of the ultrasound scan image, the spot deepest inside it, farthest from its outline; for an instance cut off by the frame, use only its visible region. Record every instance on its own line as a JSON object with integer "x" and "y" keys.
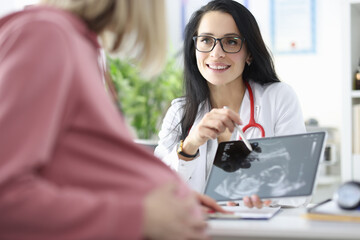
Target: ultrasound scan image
{"x": 277, "y": 167}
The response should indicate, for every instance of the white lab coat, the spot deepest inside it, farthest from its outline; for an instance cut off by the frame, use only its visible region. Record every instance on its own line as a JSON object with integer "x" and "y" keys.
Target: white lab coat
{"x": 277, "y": 109}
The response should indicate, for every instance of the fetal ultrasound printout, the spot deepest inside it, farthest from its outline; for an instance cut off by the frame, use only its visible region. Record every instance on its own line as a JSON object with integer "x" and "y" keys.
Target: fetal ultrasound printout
{"x": 277, "y": 167}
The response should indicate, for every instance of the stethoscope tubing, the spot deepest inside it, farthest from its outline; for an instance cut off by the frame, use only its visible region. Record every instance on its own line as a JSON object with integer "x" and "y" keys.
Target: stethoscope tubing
{"x": 252, "y": 123}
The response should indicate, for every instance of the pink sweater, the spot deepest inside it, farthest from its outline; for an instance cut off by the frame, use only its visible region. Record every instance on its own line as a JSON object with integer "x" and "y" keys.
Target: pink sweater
{"x": 68, "y": 166}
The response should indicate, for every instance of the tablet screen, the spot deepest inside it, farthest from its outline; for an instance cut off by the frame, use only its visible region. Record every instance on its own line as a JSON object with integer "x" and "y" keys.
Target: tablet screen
{"x": 283, "y": 166}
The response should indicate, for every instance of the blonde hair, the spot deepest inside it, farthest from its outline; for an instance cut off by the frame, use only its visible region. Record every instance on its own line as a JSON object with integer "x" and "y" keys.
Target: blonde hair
{"x": 134, "y": 28}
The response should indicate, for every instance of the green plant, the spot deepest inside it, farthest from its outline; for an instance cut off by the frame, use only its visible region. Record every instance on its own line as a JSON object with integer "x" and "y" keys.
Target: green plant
{"x": 144, "y": 101}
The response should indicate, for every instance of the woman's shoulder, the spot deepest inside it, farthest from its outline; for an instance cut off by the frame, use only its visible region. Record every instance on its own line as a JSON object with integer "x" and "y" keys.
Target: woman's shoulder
{"x": 36, "y": 15}
{"x": 177, "y": 103}
{"x": 176, "y": 106}
{"x": 43, "y": 21}
{"x": 274, "y": 88}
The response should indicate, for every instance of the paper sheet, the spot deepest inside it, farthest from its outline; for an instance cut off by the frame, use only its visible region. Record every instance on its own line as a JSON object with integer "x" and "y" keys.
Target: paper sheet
{"x": 242, "y": 212}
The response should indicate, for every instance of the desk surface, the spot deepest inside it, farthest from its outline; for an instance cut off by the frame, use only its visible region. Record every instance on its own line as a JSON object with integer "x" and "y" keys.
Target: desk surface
{"x": 287, "y": 224}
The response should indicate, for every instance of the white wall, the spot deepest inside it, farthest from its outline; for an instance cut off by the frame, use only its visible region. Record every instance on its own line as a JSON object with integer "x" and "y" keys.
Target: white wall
{"x": 316, "y": 77}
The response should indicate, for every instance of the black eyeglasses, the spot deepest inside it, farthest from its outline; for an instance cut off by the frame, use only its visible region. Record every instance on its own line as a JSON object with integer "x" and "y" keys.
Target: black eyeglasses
{"x": 228, "y": 44}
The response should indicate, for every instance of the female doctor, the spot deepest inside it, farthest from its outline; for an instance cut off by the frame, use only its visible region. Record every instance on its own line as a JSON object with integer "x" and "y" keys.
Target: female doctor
{"x": 226, "y": 64}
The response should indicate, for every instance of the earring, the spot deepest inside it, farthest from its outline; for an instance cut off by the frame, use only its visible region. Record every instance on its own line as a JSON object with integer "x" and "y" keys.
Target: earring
{"x": 248, "y": 63}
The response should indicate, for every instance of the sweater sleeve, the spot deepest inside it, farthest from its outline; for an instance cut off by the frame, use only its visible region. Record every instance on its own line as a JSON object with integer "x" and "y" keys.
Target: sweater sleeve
{"x": 36, "y": 66}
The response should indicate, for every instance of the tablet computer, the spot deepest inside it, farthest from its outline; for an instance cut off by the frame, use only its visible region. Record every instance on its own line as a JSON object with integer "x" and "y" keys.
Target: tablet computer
{"x": 282, "y": 166}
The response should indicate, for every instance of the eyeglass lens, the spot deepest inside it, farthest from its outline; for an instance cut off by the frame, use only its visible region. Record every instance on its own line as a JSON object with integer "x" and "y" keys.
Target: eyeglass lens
{"x": 228, "y": 44}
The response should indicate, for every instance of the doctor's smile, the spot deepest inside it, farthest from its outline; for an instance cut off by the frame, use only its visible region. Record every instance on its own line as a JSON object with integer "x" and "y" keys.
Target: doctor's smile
{"x": 218, "y": 67}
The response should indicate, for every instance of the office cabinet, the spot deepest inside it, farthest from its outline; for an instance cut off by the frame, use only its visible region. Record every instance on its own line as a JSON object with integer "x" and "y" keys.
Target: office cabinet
{"x": 350, "y": 157}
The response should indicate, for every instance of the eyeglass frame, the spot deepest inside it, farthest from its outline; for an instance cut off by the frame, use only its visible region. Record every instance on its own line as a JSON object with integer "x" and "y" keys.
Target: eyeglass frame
{"x": 218, "y": 40}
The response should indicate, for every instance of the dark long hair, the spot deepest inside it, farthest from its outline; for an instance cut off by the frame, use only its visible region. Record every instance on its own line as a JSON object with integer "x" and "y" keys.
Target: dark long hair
{"x": 261, "y": 69}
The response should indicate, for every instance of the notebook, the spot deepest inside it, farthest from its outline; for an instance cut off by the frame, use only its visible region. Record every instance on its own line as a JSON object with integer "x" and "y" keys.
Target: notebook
{"x": 329, "y": 211}
{"x": 278, "y": 167}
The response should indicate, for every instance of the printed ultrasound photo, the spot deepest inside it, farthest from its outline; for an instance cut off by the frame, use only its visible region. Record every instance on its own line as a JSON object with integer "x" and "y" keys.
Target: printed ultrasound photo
{"x": 277, "y": 167}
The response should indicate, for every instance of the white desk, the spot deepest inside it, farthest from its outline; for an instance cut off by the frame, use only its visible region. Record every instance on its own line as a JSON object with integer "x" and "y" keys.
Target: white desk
{"x": 287, "y": 224}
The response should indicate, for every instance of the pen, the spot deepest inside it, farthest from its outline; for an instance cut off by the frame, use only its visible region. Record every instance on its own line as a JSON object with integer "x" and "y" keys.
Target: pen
{"x": 226, "y": 205}
{"x": 248, "y": 145}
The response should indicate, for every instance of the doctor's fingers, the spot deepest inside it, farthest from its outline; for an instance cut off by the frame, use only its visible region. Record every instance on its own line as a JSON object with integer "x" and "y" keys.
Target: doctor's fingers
{"x": 259, "y": 203}
{"x": 211, "y": 126}
{"x": 225, "y": 114}
{"x": 247, "y": 202}
{"x": 217, "y": 121}
{"x": 254, "y": 201}
{"x": 199, "y": 135}
{"x": 206, "y": 132}
{"x": 234, "y": 116}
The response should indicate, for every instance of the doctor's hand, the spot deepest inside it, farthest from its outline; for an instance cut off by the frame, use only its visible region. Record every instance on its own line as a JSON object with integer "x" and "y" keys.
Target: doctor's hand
{"x": 211, "y": 126}
{"x": 253, "y": 201}
{"x": 168, "y": 217}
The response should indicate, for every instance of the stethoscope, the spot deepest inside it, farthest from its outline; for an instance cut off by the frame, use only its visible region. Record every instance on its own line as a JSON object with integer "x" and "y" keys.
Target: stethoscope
{"x": 252, "y": 123}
